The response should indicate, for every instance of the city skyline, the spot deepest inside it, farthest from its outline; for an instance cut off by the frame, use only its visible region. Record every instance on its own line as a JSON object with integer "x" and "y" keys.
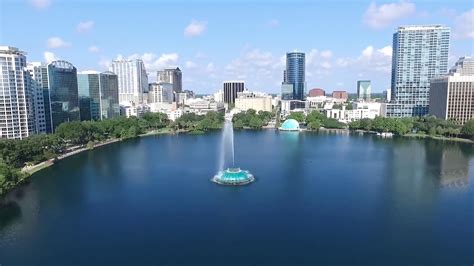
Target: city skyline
{"x": 210, "y": 49}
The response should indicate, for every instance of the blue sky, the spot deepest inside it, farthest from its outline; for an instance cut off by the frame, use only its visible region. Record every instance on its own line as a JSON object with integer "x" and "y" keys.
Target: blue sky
{"x": 213, "y": 41}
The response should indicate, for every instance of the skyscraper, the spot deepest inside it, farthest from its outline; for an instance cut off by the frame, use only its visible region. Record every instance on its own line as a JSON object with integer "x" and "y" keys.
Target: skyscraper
{"x": 364, "y": 89}
{"x": 231, "y": 88}
{"x": 98, "y": 95}
{"x": 39, "y": 81}
{"x": 16, "y": 95}
{"x": 132, "y": 80}
{"x": 294, "y": 76}
{"x": 419, "y": 54}
{"x": 452, "y": 95}
{"x": 63, "y": 93}
{"x": 173, "y": 76}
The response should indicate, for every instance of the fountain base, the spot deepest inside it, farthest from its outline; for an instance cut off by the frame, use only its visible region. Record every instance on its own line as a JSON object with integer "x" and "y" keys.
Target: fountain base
{"x": 233, "y": 177}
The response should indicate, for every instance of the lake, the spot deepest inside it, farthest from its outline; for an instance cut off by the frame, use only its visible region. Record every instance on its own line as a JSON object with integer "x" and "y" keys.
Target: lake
{"x": 318, "y": 198}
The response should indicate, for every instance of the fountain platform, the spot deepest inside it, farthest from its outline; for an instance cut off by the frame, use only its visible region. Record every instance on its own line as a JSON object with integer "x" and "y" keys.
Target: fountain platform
{"x": 233, "y": 177}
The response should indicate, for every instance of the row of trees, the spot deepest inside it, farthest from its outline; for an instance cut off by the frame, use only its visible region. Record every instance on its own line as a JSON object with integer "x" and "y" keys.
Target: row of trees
{"x": 252, "y": 119}
{"x": 197, "y": 124}
{"x": 421, "y": 125}
{"x": 14, "y": 154}
{"x": 315, "y": 120}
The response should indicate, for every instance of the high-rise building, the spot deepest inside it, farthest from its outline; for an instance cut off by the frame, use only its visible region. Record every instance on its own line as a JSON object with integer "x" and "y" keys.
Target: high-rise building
{"x": 132, "y": 80}
{"x": 231, "y": 88}
{"x": 294, "y": 75}
{"x": 160, "y": 92}
{"x": 419, "y": 54}
{"x": 452, "y": 95}
{"x": 173, "y": 76}
{"x": 364, "y": 89}
{"x": 17, "y": 118}
{"x": 63, "y": 93}
{"x": 98, "y": 95}
{"x": 39, "y": 81}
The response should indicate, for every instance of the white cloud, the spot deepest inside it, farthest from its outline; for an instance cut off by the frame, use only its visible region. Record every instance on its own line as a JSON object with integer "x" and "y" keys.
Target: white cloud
{"x": 210, "y": 67}
{"x": 57, "y": 42}
{"x": 326, "y": 54}
{"x": 378, "y": 17}
{"x": 94, "y": 49}
{"x": 386, "y": 51}
{"x": 464, "y": 25}
{"x": 375, "y": 59}
{"x": 190, "y": 64}
{"x": 49, "y": 57}
{"x": 195, "y": 28}
{"x": 85, "y": 26}
{"x": 40, "y": 4}
{"x": 272, "y": 23}
{"x": 368, "y": 51}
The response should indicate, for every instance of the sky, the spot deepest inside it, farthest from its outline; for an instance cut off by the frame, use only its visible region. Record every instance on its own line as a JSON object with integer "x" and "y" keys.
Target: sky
{"x": 212, "y": 41}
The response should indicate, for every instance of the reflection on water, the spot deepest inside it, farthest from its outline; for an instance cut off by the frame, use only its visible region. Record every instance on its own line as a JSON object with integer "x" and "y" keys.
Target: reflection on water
{"x": 450, "y": 163}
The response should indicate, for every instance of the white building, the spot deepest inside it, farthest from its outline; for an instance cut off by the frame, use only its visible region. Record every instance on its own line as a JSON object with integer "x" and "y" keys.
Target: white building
{"x": 258, "y": 102}
{"x": 160, "y": 93}
{"x": 17, "y": 114}
{"x": 134, "y": 110}
{"x": 360, "y": 110}
{"x": 39, "y": 82}
{"x": 174, "y": 114}
{"x": 452, "y": 95}
{"x": 132, "y": 80}
{"x": 219, "y": 96}
{"x": 202, "y": 107}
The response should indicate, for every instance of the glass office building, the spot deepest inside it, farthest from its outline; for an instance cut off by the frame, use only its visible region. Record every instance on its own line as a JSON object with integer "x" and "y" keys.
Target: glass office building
{"x": 364, "y": 89}
{"x": 98, "y": 95}
{"x": 419, "y": 54}
{"x": 63, "y": 93}
{"x": 294, "y": 74}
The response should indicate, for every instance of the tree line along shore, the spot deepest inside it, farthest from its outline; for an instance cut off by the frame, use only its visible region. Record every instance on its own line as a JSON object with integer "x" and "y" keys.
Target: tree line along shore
{"x": 17, "y": 157}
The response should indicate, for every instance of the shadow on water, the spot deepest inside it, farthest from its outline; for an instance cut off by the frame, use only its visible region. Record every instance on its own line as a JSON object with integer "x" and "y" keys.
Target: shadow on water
{"x": 9, "y": 212}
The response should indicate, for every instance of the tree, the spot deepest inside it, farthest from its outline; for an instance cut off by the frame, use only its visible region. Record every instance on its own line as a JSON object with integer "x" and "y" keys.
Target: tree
{"x": 468, "y": 129}
{"x": 256, "y": 123}
{"x": 314, "y": 125}
{"x": 298, "y": 116}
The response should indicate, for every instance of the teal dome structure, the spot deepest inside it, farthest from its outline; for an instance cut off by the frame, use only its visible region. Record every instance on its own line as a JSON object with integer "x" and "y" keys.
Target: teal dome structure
{"x": 233, "y": 176}
{"x": 290, "y": 125}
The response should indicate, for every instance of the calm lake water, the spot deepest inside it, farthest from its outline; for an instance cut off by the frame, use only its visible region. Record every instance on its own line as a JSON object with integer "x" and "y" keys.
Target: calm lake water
{"x": 318, "y": 198}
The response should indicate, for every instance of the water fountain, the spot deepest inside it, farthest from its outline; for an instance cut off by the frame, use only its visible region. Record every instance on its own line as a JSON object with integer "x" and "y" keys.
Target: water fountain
{"x": 228, "y": 174}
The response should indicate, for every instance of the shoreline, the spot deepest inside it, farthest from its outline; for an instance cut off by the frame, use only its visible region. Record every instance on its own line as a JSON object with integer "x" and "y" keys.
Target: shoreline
{"x": 30, "y": 170}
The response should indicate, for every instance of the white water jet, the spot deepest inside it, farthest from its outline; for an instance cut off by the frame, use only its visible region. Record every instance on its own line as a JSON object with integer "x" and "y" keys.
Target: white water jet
{"x": 227, "y": 145}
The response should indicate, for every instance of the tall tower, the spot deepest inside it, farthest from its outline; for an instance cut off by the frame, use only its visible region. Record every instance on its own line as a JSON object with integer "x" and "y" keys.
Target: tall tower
{"x": 173, "y": 76}
{"x": 17, "y": 118}
{"x": 294, "y": 75}
{"x": 63, "y": 93}
{"x": 98, "y": 95}
{"x": 419, "y": 54}
{"x": 39, "y": 81}
{"x": 132, "y": 80}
